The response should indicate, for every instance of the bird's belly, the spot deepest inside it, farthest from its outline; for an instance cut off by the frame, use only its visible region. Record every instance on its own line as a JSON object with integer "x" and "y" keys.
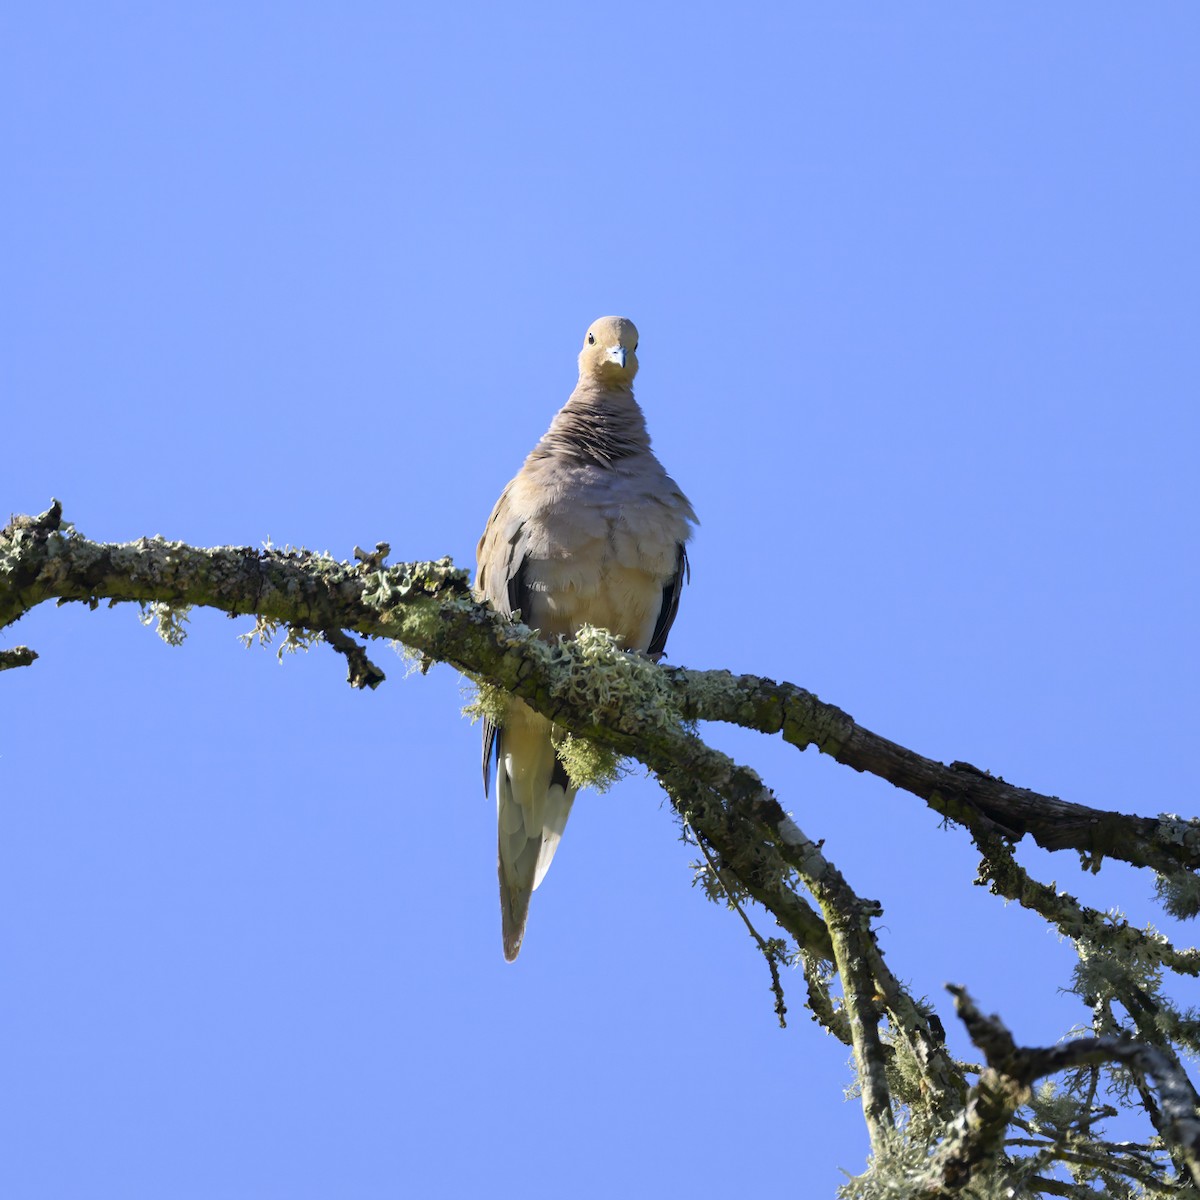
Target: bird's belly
{"x": 568, "y": 593}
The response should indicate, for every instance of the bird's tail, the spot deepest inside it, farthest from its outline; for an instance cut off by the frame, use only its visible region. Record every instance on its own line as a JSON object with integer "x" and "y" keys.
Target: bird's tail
{"x": 533, "y": 802}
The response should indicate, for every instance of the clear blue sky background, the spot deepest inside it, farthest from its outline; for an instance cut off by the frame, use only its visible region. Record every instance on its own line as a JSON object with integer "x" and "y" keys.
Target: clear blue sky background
{"x": 918, "y": 292}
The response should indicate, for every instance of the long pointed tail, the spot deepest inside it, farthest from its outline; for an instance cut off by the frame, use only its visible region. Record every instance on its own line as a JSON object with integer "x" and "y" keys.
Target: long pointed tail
{"x": 533, "y": 802}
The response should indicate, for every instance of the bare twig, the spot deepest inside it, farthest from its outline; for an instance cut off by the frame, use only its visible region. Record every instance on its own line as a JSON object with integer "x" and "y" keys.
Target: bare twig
{"x": 770, "y": 954}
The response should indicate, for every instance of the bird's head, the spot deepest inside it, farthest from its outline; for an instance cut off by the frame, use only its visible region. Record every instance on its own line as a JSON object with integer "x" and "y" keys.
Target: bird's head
{"x": 609, "y": 353}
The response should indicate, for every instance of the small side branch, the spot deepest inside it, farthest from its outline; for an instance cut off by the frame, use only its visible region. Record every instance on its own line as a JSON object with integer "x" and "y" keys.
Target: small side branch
{"x": 769, "y": 952}
{"x": 18, "y": 656}
{"x": 361, "y": 671}
{"x": 999, "y": 868}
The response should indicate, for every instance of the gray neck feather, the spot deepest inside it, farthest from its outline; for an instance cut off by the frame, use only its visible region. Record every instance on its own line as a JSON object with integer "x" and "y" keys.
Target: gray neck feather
{"x": 596, "y": 425}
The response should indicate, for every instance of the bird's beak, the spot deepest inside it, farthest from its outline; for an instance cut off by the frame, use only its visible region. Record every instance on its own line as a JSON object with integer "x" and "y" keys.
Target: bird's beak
{"x": 617, "y": 354}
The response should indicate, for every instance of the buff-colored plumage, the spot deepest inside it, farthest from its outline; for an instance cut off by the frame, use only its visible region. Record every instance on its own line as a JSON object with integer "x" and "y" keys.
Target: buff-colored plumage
{"x": 591, "y": 531}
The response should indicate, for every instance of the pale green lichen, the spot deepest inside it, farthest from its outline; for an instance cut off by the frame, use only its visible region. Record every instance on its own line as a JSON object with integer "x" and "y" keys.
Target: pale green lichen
{"x": 415, "y": 662}
{"x": 298, "y": 639}
{"x": 485, "y": 702}
{"x": 1179, "y": 894}
{"x": 590, "y": 672}
{"x": 588, "y": 764}
{"x": 907, "y": 1075}
{"x": 1174, "y": 830}
{"x": 287, "y": 550}
{"x": 1107, "y": 970}
{"x": 893, "y": 1173}
{"x": 1053, "y": 1110}
{"x": 295, "y": 639}
{"x": 603, "y": 675}
{"x": 168, "y": 620}
{"x": 387, "y": 587}
{"x": 263, "y": 632}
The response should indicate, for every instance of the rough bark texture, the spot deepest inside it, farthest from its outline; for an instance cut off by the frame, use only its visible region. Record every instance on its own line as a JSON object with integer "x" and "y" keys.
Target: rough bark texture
{"x": 957, "y": 1136}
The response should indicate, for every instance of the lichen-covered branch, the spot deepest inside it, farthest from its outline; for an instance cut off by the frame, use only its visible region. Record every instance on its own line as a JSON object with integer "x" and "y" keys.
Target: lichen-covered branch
{"x": 983, "y": 802}
{"x": 428, "y": 606}
{"x": 849, "y": 922}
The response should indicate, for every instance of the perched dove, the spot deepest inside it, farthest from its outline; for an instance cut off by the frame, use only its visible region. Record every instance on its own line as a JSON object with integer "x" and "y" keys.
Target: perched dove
{"x": 591, "y": 531}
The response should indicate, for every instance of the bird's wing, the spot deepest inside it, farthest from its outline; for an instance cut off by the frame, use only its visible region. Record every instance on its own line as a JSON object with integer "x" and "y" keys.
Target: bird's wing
{"x": 500, "y": 579}
{"x": 670, "y": 604}
{"x": 500, "y": 555}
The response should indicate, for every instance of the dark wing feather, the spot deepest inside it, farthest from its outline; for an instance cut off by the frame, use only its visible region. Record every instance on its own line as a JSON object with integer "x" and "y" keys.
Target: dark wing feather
{"x": 490, "y": 750}
{"x": 518, "y": 591}
{"x": 670, "y": 604}
{"x": 517, "y": 594}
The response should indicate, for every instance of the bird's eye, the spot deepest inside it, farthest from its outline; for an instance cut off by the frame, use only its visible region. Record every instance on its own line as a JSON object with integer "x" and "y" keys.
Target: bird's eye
{"x": 591, "y": 339}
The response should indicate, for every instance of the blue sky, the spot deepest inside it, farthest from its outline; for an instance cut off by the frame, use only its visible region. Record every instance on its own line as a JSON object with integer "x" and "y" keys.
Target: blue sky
{"x": 918, "y": 292}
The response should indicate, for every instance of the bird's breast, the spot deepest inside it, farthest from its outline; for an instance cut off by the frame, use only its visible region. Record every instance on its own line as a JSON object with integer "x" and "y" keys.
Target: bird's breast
{"x": 609, "y": 572}
{"x": 599, "y": 547}
{"x": 565, "y": 594}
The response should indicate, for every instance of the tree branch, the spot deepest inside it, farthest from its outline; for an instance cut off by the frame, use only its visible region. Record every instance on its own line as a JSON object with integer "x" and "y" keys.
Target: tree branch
{"x": 983, "y": 802}
{"x": 428, "y": 606}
